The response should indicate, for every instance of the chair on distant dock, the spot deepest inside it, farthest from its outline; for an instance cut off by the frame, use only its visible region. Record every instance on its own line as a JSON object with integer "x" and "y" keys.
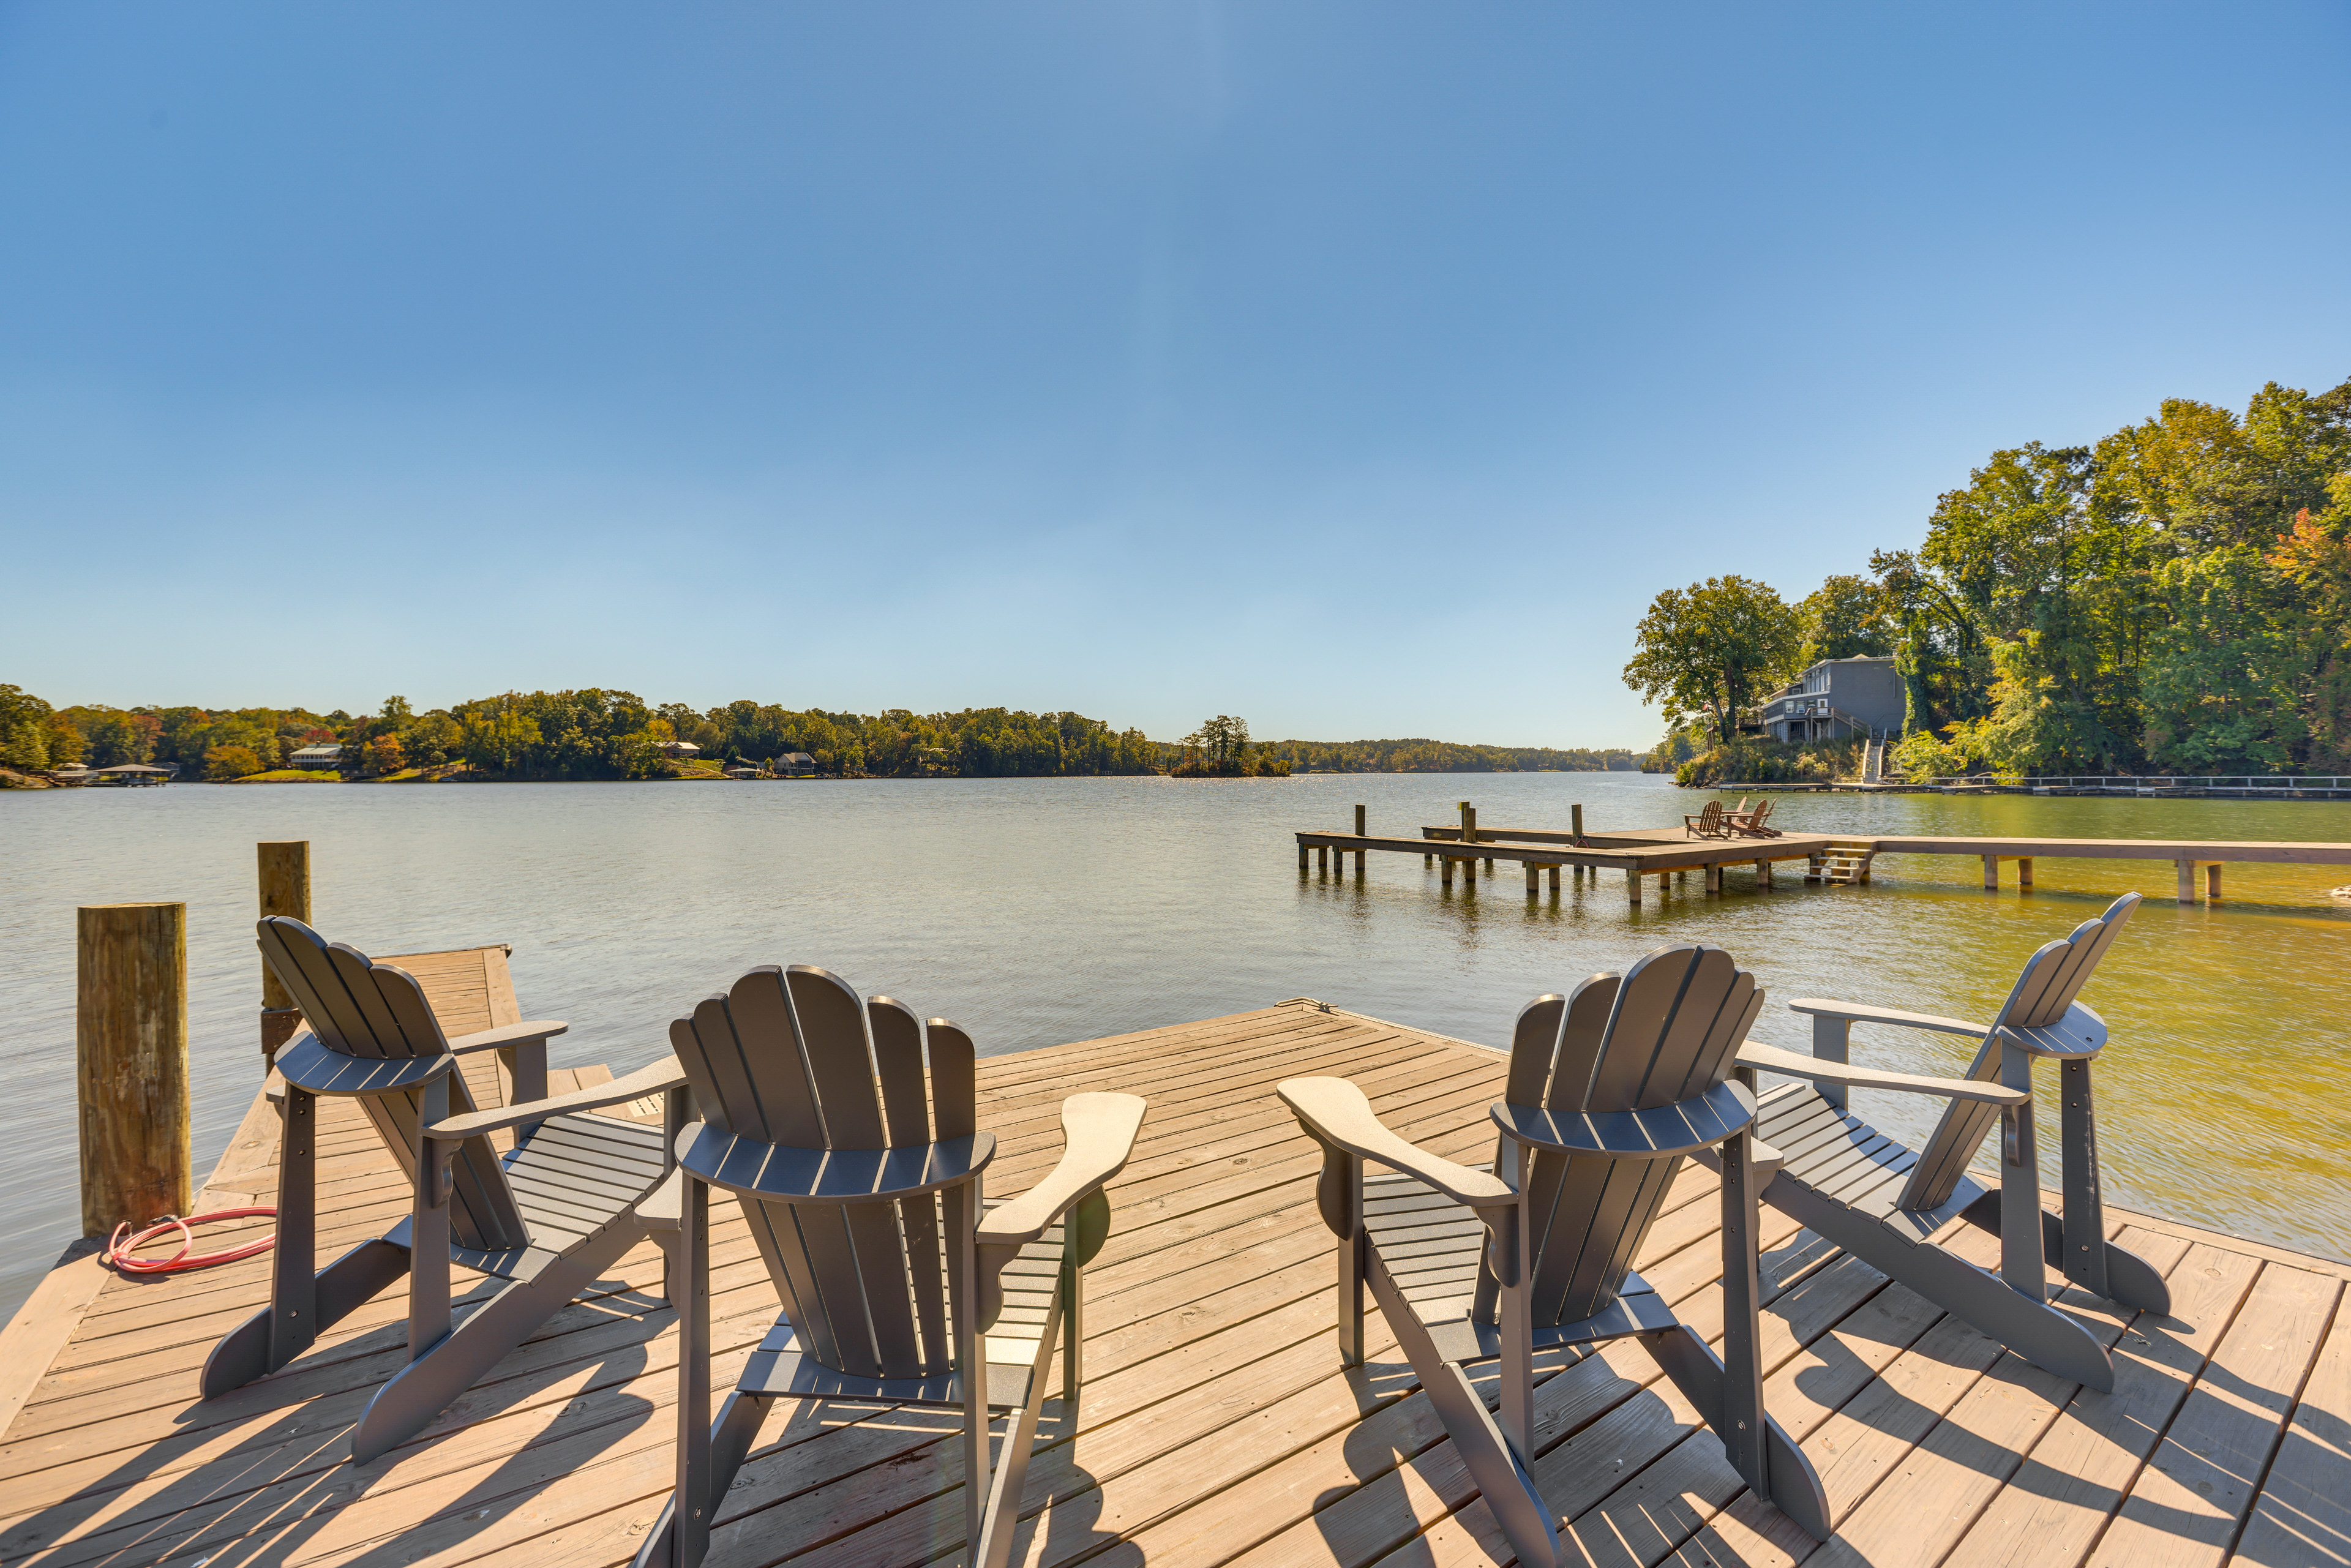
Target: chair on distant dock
{"x": 1752, "y": 824}
{"x": 1872, "y": 1196}
{"x": 556, "y": 1212}
{"x": 1706, "y": 824}
{"x": 864, "y": 1205}
{"x": 1608, "y": 1091}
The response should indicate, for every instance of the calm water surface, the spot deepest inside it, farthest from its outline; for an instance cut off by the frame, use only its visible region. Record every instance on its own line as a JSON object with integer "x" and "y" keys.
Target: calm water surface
{"x": 1038, "y": 911}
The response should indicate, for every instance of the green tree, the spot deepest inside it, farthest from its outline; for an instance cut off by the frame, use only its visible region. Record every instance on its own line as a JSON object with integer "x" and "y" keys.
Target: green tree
{"x": 1845, "y": 618}
{"x": 223, "y": 763}
{"x": 1710, "y": 649}
{"x": 26, "y": 728}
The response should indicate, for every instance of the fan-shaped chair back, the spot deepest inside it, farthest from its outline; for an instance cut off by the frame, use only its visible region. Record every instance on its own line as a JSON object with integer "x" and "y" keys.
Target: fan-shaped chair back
{"x": 793, "y": 1057}
{"x": 2043, "y": 994}
{"x": 1665, "y": 1030}
{"x": 369, "y": 1012}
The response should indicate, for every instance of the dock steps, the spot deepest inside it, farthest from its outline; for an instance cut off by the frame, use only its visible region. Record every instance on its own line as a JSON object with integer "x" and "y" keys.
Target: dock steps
{"x": 1846, "y": 861}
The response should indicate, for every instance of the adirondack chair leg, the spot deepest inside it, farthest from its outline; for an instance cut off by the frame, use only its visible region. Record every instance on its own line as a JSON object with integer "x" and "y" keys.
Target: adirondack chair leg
{"x": 526, "y": 1066}
{"x": 288, "y": 1326}
{"x": 963, "y": 1206}
{"x": 244, "y": 1353}
{"x": 1516, "y": 1319}
{"x": 2087, "y": 1256}
{"x": 1792, "y": 1486}
{"x": 424, "y": 1388}
{"x": 993, "y": 1546}
{"x": 1740, "y": 1421}
{"x": 1496, "y": 1467}
{"x": 2034, "y": 1329}
{"x": 1831, "y": 1041}
{"x": 428, "y": 1265}
{"x": 2021, "y": 1260}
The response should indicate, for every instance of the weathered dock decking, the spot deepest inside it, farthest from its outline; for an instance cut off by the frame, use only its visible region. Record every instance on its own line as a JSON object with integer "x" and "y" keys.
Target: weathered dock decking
{"x": 1216, "y": 1426}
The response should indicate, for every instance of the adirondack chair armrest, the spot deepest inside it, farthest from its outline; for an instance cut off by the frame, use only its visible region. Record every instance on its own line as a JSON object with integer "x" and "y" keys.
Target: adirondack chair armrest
{"x": 1098, "y": 1134}
{"x": 1794, "y": 1065}
{"x": 507, "y": 1034}
{"x": 1337, "y": 1115}
{"x": 663, "y": 1208}
{"x": 1684, "y": 1127}
{"x": 663, "y": 1074}
{"x": 1857, "y": 1012}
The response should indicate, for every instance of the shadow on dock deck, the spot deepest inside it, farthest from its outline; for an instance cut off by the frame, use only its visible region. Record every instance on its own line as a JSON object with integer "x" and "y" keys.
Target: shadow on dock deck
{"x": 1218, "y": 1426}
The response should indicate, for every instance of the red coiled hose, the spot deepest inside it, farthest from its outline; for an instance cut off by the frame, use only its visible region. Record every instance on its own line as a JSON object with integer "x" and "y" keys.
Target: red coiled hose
{"x": 119, "y": 1250}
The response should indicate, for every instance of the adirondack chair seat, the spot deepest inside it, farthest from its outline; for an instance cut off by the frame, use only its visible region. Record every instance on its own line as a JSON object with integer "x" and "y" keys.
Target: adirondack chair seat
{"x": 1871, "y": 1194}
{"x": 546, "y": 1217}
{"x": 1433, "y": 1246}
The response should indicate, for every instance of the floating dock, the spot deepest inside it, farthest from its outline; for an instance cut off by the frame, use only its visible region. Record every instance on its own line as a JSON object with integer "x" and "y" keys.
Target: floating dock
{"x": 1219, "y": 1427}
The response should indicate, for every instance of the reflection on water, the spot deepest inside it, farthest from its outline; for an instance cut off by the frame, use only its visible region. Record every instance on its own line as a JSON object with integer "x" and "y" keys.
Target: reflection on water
{"x": 1040, "y": 911}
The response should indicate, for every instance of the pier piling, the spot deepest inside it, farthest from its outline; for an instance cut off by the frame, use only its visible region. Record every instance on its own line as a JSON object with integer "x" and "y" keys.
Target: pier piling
{"x": 131, "y": 1063}
{"x": 285, "y": 880}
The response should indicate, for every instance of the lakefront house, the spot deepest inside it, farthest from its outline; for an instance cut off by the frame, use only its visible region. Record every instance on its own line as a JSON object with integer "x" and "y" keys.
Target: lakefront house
{"x": 1836, "y": 699}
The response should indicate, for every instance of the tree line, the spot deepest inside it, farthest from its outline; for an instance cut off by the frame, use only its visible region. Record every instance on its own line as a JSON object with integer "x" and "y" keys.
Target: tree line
{"x": 594, "y": 733}
{"x": 2174, "y": 597}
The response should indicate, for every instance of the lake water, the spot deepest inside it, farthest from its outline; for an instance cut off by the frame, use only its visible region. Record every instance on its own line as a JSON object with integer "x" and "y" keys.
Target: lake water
{"x": 1038, "y": 911}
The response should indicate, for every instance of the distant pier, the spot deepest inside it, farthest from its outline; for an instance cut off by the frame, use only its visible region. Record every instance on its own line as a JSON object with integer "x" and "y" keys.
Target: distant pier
{"x": 1664, "y": 852}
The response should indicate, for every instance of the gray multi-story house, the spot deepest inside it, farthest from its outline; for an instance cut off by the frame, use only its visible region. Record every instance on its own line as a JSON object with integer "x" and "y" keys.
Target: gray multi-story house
{"x": 1836, "y": 699}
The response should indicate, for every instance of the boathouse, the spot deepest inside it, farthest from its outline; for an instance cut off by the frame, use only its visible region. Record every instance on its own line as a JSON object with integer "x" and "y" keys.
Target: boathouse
{"x": 315, "y": 757}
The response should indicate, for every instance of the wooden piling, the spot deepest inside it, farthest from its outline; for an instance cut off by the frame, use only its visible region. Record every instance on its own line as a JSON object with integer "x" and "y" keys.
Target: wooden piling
{"x": 2186, "y": 869}
{"x": 283, "y": 868}
{"x": 1714, "y": 879}
{"x": 1633, "y": 885}
{"x": 1534, "y": 877}
{"x": 1992, "y": 873}
{"x": 1554, "y": 877}
{"x": 2023, "y": 872}
{"x": 130, "y": 1061}
{"x": 2212, "y": 881}
{"x": 1577, "y": 826}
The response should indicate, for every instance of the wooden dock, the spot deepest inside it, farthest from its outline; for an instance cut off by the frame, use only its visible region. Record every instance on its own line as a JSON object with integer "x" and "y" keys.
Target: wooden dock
{"x": 1661, "y": 854}
{"x": 1667, "y": 852}
{"x": 1218, "y": 1426}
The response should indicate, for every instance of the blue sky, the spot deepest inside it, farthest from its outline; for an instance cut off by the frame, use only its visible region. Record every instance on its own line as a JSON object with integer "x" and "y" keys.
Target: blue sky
{"x": 1359, "y": 368}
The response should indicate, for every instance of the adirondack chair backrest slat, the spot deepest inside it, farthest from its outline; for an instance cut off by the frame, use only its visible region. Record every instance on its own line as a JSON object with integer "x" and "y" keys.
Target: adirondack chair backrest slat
{"x": 1665, "y": 1030}
{"x": 2052, "y": 979}
{"x": 372, "y": 1012}
{"x": 793, "y": 1057}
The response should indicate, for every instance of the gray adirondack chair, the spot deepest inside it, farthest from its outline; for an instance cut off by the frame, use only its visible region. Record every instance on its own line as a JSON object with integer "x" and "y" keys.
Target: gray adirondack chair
{"x": 547, "y": 1218}
{"x": 1608, "y": 1090}
{"x": 1882, "y": 1202}
{"x": 898, "y": 1283}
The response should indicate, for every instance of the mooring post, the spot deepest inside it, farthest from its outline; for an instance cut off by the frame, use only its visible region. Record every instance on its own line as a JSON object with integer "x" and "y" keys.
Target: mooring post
{"x": 1360, "y": 854}
{"x": 1468, "y": 824}
{"x": 1577, "y": 825}
{"x": 285, "y": 879}
{"x": 130, "y": 1061}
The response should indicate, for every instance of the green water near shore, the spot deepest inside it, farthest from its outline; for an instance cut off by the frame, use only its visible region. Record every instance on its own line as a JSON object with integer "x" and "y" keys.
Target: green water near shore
{"x": 1038, "y": 911}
